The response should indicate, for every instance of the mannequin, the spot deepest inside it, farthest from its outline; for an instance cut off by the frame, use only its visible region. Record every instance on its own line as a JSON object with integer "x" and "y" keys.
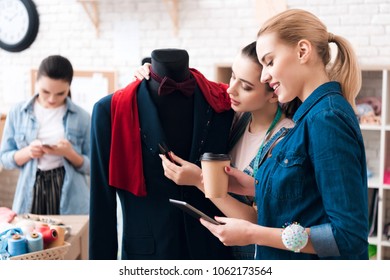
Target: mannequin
{"x": 175, "y": 110}
{"x": 126, "y": 164}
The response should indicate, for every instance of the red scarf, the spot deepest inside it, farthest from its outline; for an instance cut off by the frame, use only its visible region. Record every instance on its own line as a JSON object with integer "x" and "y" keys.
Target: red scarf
{"x": 125, "y": 166}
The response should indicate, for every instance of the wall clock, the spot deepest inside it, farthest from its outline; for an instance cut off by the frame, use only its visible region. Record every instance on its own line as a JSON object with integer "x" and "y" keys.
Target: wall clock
{"x": 19, "y": 23}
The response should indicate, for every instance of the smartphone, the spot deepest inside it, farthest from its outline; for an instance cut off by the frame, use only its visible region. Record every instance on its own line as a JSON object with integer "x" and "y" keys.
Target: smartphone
{"x": 48, "y": 145}
{"x": 193, "y": 211}
{"x": 165, "y": 151}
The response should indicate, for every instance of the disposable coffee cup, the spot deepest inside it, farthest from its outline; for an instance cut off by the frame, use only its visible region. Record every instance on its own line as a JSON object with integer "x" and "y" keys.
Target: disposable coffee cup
{"x": 215, "y": 179}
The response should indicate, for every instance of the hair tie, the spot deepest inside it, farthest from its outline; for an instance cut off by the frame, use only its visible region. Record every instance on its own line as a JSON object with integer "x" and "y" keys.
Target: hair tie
{"x": 330, "y": 37}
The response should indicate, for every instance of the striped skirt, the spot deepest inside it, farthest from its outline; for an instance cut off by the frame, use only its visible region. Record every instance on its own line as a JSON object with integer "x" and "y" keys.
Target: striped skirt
{"x": 47, "y": 191}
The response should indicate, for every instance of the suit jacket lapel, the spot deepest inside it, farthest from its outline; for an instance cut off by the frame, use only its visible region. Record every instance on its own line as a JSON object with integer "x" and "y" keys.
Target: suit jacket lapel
{"x": 151, "y": 130}
{"x": 203, "y": 114}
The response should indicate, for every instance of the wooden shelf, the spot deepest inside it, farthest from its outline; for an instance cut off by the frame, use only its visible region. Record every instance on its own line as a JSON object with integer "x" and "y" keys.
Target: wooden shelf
{"x": 173, "y": 9}
{"x": 91, "y": 7}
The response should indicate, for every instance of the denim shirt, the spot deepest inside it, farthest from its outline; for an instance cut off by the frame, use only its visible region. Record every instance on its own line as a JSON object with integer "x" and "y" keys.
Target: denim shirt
{"x": 316, "y": 176}
{"x": 21, "y": 128}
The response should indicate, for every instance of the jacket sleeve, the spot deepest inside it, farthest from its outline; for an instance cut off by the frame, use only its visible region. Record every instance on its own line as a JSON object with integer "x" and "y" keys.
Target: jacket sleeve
{"x": 103, "y": 243}
{"x": 8, "y": 146}
{"x": 85, "y": 146}
{"x": 338, "y": 158}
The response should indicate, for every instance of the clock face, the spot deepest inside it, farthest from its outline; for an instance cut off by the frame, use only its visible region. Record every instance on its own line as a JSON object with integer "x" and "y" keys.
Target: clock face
{"x": 14, "y": 21}
{"x": 18, "y": 24}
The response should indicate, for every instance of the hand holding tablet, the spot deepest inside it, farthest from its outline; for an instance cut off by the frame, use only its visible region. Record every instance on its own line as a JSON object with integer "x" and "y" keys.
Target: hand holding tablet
{"x": 193, "y": 211}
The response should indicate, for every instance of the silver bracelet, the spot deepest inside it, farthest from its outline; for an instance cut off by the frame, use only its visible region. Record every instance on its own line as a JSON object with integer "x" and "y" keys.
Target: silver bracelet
{"x": 295, "y": 237}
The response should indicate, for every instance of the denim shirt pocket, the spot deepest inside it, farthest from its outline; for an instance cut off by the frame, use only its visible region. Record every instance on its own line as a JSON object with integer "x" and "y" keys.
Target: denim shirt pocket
{"x": 287, "y": 180}
{"x": 21, "y": 140}
{"x": 75, "y": 137}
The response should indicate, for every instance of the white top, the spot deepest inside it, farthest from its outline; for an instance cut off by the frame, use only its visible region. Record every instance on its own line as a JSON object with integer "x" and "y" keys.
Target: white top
{"x": 51, "y": 130}
{"x": 248, "y": 145}
{"x": 246, "y": 148}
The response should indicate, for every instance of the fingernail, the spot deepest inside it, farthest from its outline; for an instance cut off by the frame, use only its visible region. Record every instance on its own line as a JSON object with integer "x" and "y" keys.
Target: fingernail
{"x": 227, "y": 168}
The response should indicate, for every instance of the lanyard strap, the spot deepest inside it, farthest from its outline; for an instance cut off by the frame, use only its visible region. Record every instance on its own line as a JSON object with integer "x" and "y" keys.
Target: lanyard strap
{"x": 271, "y": 127}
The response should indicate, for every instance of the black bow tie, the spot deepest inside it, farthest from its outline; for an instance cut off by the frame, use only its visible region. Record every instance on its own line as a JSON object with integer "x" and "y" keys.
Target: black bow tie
{"x": 167, "y": 85}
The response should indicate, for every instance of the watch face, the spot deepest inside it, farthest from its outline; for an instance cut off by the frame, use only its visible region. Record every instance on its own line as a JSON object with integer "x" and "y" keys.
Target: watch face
{"x": 14, "y": 21}
{"x": 19, "y": 24}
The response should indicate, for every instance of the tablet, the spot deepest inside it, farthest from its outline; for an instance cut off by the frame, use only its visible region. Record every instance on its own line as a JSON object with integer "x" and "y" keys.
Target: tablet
{"x": 193, "y": 211}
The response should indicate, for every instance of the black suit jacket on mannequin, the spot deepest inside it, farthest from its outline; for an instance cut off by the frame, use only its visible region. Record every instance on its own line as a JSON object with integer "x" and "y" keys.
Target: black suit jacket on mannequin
{"x": 152, "y": 228}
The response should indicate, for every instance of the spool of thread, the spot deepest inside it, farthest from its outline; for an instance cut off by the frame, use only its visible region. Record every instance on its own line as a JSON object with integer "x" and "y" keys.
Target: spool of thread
{"x": 34, "y": 242}
{"x": 41, "y": 227}
{"x": 61, "y": 236}
{"x": 17, "y": 245}
{"x": 48, "y": 235}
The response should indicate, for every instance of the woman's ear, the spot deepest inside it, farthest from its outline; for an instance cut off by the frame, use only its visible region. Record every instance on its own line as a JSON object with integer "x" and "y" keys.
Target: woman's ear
{"x": 304, "y": 50}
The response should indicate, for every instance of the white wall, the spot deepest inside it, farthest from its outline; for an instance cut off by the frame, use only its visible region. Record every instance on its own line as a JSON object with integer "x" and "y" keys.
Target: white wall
{"x": 212, "y": 31}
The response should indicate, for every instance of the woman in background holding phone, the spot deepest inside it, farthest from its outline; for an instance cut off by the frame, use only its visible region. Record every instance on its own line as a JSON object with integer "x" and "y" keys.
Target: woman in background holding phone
{"x": 48, "y": 139}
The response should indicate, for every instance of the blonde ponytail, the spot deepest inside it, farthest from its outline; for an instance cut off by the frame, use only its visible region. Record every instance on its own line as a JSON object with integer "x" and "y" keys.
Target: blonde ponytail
{"x": 346, "y": 70}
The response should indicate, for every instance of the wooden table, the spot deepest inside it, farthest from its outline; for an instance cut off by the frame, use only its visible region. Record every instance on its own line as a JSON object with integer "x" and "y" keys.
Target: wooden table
{"x": 78, "y": 238}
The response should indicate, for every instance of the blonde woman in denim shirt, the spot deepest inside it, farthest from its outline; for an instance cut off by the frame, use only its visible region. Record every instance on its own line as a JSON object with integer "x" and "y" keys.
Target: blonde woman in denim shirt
{"x": 311, "y": 188}
{"x": 48, "y": 139}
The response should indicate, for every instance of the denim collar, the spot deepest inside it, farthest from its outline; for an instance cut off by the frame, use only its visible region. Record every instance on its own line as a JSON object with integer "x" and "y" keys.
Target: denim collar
{"x": 28, "y": 105}
{"x": 320, "y": 92}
